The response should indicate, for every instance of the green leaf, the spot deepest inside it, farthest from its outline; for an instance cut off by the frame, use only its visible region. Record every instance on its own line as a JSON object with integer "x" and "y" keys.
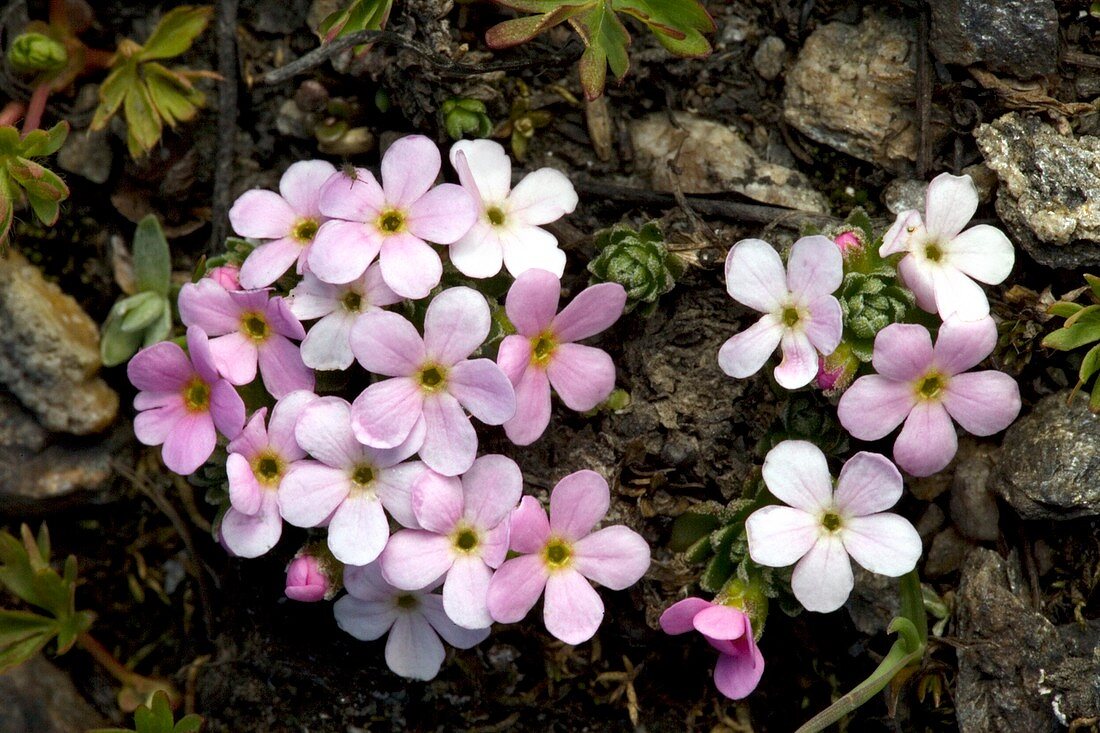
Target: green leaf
{"x": 113, "y": 91}
{"x": 70, "y": 627}
{"x": 606, "y": 40}
{"x": 358, "y": 15}
{"x": 141, "y": 311}
{"x": 520, "y": 30}
{"x": 1089, "y": 364}
{"x": 14, "y": 654}
{"x": 160, "y": 330}
{"x": 115, "y": 345}
{"x": 15, "y": 626}
{"x": 188, "y": 724}
{"x": 143, "y": 124}
{"x": 40, "y": 143}
{"x": 1084, "y": 330}
{"x": 173, "y": 96}
{"x": 1094, "y": 397}
{"x": 1064, "y": 309}
{"x": 152, "y": 259}
{"x": 1094, "y": 284}
{"x": 678, "y": 24}
{"x": 176, "y": 31}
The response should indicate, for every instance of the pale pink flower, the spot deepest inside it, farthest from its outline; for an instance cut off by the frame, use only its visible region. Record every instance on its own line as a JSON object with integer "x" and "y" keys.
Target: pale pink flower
{"x": 328, "y": 342}
{"x": 801, "y": 316}
{"x": 941, "y": 258}
{"x": 925, "y": 387}
{"x": 182, "y": 399}
{"x": 543, "y": 354}
{"x": 821, "y": 529}
{"x": 393, "y": 220}
{"x": 248, "y": 328}
{"x": 464, "y": 536}
{"x": 433, "y": 380}
{"x": 306, "y": 579}
{"x": 414, "y": 619}
{"x": 561, "y": 554}
{"x": 289, "y": 218}
{"x": 727, "y": 629}
{"x": 259, "y": 459}
{"x": 508, "y": 227}
{"x": 348, "y": 485}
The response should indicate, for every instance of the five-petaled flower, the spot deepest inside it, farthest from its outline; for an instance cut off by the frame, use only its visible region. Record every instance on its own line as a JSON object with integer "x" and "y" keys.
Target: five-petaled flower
{"x": 822, "y": 528}
{"x": 925, "y": 387}
{"x": 801, "y": 316}
{"x": 181, "y": 400}
{"x": 414, "y": 619}
{"x": 543, "y": 352}
{"x": 561, "y": 554}
{"x": 727, "y": 629}
{"x": 941, "y": 258}
{"x": 290, "y": 219}
{"x": 508, "y": 227}
{"x": 393, "y": 220}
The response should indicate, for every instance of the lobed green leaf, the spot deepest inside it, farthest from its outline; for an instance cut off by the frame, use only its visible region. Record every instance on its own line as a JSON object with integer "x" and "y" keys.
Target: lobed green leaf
{"x": 176, "y": 31}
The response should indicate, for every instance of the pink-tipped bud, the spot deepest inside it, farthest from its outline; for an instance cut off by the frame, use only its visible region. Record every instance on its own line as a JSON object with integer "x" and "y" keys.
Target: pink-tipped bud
{"x": 306, "y": 579}
{"x": 849, "y": 242}
{"x": 836, "y": 371}
{"x": 228, "y": 276}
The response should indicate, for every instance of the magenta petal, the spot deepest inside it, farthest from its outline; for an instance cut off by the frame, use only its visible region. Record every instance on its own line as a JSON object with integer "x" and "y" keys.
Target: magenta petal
{"x": 902, "y": 351}
{"x": 414, "y": 558}
{"x": 438, "y": 503}
{"x": 198, "y": 348}
{"x": 532, "y": 302}
{"x": 358, "y": 530}
{"x": 455, "y": 325}
{"x": 572, "y": 609}
{"x": 209, "y": 306}
{"x": 394, "y": 486}
{"x": 410, "y": 267}
{"x": 282, "y": 368}
{"x": 532, "y": 407}
{"x": 678, "y": 618}
{"x": 409, "y": 168}
{"x": 443, "y": 214}
{"x": 226, "y": 409}
{"x": 721, "y": 622}
{"x": 342, "y": 250}
{"x": 481, "y": 387}
{"x": 236, "y": 357}
{"x": 450, "y": 442}
{"x": 530, "y": 527}
{"x": 736, "y": 676}
{"x": 492, "y": 488}
{"x": 874, "y": 405}
{"x": 516, "y": 587}
{"x": 267, "y": 263}
{"x": 755, "y": 276}
{"x": 152, "y": 427}
{"x": 962, "y": 345}
{"x": 189, "y": 445}
{"x": 384, "y": 414}
{"x": 385, "y": 343}
{"x": 301, "y": 185}
{"x": 583, "y": 376}
{"x": 466, "y": 593}
{"x": 284, "y": 418}
{"x": 815, "y": 267}
{"x": 577, "y": 503}
{"x": 594, "y": 310}
{"x": 162, "y": 367}
{"x": 928, "y": 442}
{"x": 983, "y": 403}
{"x": 262, "y": 215}
{"x": 615, "y": 557}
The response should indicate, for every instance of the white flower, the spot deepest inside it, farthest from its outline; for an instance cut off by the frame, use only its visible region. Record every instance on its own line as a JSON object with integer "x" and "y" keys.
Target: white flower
{"x": 509, "y": 219}
{"x": 820, "y": 529}
{"x": 942, "y": 257}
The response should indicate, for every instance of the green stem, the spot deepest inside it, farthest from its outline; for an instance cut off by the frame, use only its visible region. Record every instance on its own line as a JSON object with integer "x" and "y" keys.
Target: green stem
{"x": 908, "y": 649}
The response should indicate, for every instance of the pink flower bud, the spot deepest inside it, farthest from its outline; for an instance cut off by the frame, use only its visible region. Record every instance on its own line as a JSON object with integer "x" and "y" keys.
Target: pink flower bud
{"x": 835, "y": 371}
{"x": 228, "y": 276}
{"x": 849, "y": 242}
{"x": 306, "y": 579}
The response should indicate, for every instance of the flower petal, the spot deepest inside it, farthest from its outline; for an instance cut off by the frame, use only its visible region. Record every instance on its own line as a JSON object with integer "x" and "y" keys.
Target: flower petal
{"x": 825, "y": 325}
{"x": 327, "y": 346}
{"x": 530, "y": 527}
{"x": 385, "y": 343}
{"x": 413, "y": 650}
{"x": 516, "y": 587}
{"x": 208, "y": 305}
{"x": 310, "y": 493}
{"x": 262, "y": 215}
{"x": 162, "y": 367}
{"x": 358, "y": 530}
{"x": 190, "y": 443}
{"x": 394, "y": 486}
{"x": 152, "y": 426}
{"x": 226, "y": 409}
{"x": 342, "y": 250}
{"x": 323, "y": 430}
{"x": 577, "y": 503}
{"x": 235, "y": 357}
{"x": 949, "y": 204}
{"x": 414, "y": 558}
{"x": 478, "y": 252}
{"x": 409, "y": 266}
{"x": 962, "y": 345}
{"x": 815, "y": 267}
{"x": 385, "y": 413}
{"x": 679, "y": 617}
{"x": 282, "y": 368}
{"x": 721, "y": 622}
{"x": 615, "y": 557}
{"x": 455, "y": 325}
{"x": 823, "y": 578}
{"x": 359, "y": 199}
{"x": 779, "y": 535}
{"x": 583, "y": 376}
{"x": 252, "y": 535}
{"x": 882, "y": 543}
{"x": 443, "y": 214}
{"x": 492, "y": 488}
{"x": 466, "y": 593}
{"x": 284, "y": 419}
{"x": 450, "y": 442}
{"x": 755, "y": 275}
{"x": 916, "y": 275}
{"x": 530, "y": 248}
{"x": 365, "y": 620}
{"x": 958, "y": 295}
{"x": 868, "y": 483}
{"x": 982, "y": 252}
{"x": 928, "y": 442}
{"x": 800, "y": 361}
{"x": 301, "y": 185}
{"x": 409, "y": 168}
{"x": 245, "y": 494}
{"x": 487, "y": 169}
{"x": 532, "y": 302}
{"x": 572, "y": 609}
{"x": 874, "y": 405}
{"x": 744, "y": 353}
{"x": 795, "y": 472}
{"x": 267, "y": 263}
{"x": 542, "y": 196}
{"x": 983, "y": 403}
{"x": 903, "y": 351}
{"x": 900, "y": 236}
{"x": 736, "y": 676}
{"x": 438, "y": 504}
{"x": 594, "y": 310}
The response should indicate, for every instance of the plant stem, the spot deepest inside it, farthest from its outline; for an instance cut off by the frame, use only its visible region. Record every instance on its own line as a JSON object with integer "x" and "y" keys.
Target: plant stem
{"x": 11, "y": 113}
{"x": 36, "y": 107}
{"x": 129, "y": 678}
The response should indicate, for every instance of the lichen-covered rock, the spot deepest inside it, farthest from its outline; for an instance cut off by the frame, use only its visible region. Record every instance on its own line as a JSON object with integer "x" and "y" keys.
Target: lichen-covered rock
{"x": 1050, "y": 188}
{"x": 1050, "y": 461}
{"x": 713, "y": 158}
{"x": 1017, "y": 37}
{"x": 852, "y": 88}
{"x": 49, "y": 352}
{"x": 39, "y": 697}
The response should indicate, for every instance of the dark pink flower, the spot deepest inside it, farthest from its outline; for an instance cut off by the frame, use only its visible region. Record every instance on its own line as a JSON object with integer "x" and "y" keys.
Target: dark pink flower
{"x": 727, "y": 629}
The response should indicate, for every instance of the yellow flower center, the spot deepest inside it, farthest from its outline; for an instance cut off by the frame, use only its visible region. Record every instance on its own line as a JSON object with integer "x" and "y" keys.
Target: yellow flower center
{"x": 352, "y": 301}
{"x": 831, "y": 521}
{"x": 557, "y": 554}
{"x": 254, "y": 326}
{"x": 543, "y": 347}
{"x": 790, "y": 316}
{"x": 432, "y": 378}
{"x": 930, "y": 386}
{"x": 196, "y": 395}
{"x": 495, "y": 215}
{"x": 267, "y": 467}
{"x": 391, "y": 221}
{"x": 932, "y": 252}
{"x": 465, "y": 540}
{"x": 363, "y": 476}
{"x": 407, "y": 601}
{"x": 305, "y": 230}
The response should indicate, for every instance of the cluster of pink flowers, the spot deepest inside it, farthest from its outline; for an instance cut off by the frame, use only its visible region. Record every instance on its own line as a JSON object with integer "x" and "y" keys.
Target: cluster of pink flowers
{"x": 337, "y": 257}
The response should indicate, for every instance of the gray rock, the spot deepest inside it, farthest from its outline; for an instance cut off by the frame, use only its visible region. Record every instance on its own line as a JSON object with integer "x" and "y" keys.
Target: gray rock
{"x": 946, "y": 555}
{"x": 88, "y": 154}
{"x": 1049, "y": 195}
{"x": 1017, "y": 671}
{"x": 873, "y": 603}
{"x": 714, "y": 158}
{"x": 1050, "y": 460}
{"x": 930, "y": 522}
{"x": 49, "y": 356}
{"x": 973, "y": 506}
{"x": 852, "y": 88}
{"x": 770, "y": 57}
{"x": 39, "y": 698}
{"x": 275, "y": 16}
{"x": 1017, "y": 37}
{"x": 904, "y": 194}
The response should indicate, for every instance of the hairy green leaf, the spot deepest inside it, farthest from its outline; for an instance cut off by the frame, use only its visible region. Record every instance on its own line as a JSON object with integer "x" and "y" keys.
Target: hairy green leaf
{"x": 176, "y": 31}
{"x": 152, "y": 259}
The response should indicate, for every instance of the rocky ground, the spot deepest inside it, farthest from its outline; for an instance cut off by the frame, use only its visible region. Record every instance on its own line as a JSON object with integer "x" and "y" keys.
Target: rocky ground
{"x": 815, "y": 107}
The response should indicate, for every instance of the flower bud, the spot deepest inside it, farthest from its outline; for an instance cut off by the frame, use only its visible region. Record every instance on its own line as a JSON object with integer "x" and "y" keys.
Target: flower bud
{"x": 836, "y": 371}
{"x": 849, "y": 242}
{"x": 313, "y": 575}
{"x": 462, "y": 116}
{"x": 37, "y": 52}
{"x": 228, "y": 276}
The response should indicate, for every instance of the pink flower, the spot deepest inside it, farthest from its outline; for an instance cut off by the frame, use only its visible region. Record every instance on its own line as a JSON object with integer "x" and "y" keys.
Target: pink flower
{"x": 250, "y": 328}
{"x": 414, "y": 619}
{"x": 562, "y": 554}
{"x": 801, "y": 316}
{"x": 925, "y": 387}
{"x": 290, "y": 218}
{"x": 328, "y": 343}
{"x": 542, "y": 354}
{"x": 348, "y": 485}
{"x": 820, "y": 529}
{"x": 433, "y": 380}
{"x": 727, "y": 629}
{"x": 508, "y": 225}
{"x": 259, "y": 459}
{"x": 848, "y": 242}
{"x": 391, "y": 220}
{"x": 306, "y": 579}
{"x": 942, "y": 258}
{"x": 182, "y": 400}
{"x": 464, "y": 536}
{"x": 228, "y": 276}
